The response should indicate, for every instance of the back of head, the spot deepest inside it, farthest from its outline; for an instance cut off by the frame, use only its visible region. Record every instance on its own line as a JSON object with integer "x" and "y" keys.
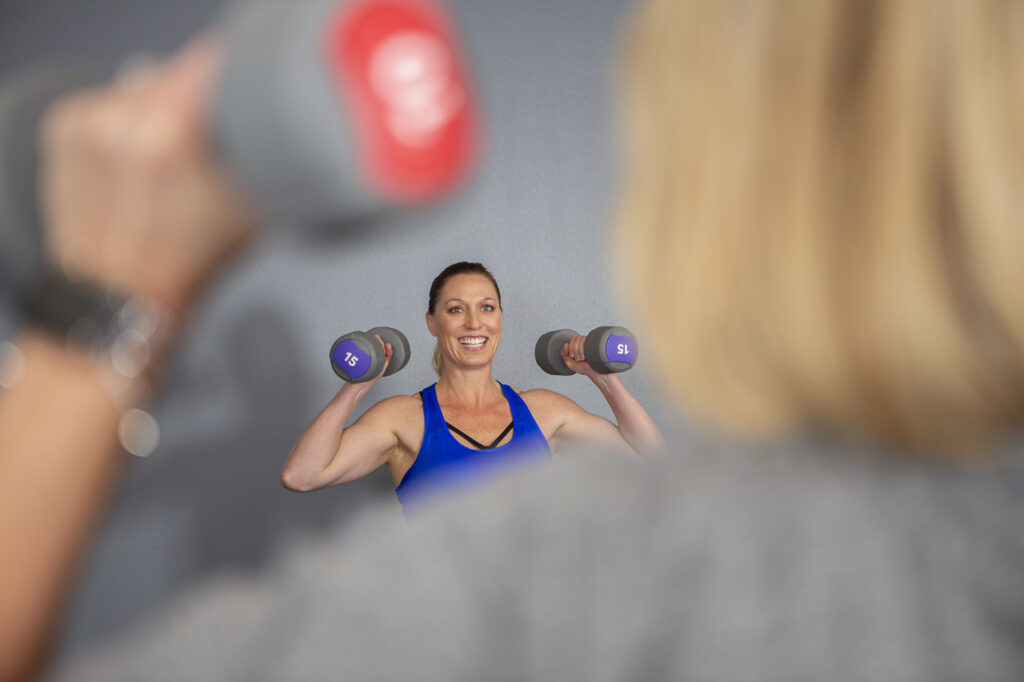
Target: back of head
{"x": 823, "y": 215}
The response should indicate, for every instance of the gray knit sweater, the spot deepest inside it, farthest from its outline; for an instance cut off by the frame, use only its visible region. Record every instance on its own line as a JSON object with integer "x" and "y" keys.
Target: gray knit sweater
{"x": 800, "y": 564}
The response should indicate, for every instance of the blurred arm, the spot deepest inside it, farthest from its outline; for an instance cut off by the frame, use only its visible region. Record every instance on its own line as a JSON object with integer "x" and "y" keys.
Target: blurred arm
{"x": 132, "y": 202}
{"x": 59, "y": 458}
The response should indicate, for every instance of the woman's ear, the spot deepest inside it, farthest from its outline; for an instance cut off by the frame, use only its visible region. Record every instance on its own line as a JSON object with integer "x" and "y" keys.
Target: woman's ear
{"x": 430, "y": 324}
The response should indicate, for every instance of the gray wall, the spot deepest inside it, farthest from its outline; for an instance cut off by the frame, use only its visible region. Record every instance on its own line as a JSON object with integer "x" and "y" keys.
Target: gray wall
{"x": 254, "y": 371}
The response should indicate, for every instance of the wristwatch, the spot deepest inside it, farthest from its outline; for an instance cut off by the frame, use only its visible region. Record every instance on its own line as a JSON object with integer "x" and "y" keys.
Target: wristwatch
{"x": 120, "y": 334}
{"x": 81, "y": 313}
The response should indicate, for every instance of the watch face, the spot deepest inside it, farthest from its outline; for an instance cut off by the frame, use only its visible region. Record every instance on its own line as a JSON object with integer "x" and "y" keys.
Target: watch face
{"x": 77, "y": 311}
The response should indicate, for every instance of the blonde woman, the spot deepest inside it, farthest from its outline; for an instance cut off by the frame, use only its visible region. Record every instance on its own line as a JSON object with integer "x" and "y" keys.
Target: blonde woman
{"x": 832, "y": 193}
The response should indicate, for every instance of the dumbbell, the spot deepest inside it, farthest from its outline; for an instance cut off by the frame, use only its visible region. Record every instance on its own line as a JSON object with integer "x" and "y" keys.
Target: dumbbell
{"x": 608, "y": 350}
{"x": 324, "y": 110}
{"x": 358, "y": 356}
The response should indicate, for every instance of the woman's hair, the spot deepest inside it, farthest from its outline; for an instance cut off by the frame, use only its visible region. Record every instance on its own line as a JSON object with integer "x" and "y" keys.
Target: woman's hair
{"x": 461, "y": 268}
{"x": 823, "y": 214}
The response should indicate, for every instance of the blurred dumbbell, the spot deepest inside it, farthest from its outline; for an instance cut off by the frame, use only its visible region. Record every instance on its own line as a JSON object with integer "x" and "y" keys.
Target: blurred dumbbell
{"x": 358, "y": 356}
{"x": 607, "y": 349}
{"x": 323, "y": 109}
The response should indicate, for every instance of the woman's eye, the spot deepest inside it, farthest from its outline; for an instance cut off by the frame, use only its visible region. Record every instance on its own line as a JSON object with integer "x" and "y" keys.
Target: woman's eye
{"x": 455, "y": 309}
{"x": 488, "y": 308}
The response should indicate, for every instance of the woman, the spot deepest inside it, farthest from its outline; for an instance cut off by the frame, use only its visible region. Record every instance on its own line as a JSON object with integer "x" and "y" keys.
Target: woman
{"x": 467, "y": 426}
{"x": 832, "y": 191}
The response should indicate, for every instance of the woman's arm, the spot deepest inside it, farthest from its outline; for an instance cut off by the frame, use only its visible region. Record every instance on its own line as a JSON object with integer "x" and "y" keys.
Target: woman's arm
{"x": 59, "y": 459}
{"x": 327, "y": 453}
{"x": 634, "y": 428}
{"x": 132, "y": 201}
{"x": 634, "y": 424}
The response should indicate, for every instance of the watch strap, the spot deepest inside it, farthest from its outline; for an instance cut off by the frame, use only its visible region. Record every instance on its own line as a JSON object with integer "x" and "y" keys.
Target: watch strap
{"x": 80, "y": 312}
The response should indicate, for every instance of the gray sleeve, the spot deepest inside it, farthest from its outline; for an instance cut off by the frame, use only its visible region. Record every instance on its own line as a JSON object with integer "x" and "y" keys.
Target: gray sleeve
{"x": 719, "y": 568}
{"x": 471, "y": 591}
{"x": 371, "y": 612}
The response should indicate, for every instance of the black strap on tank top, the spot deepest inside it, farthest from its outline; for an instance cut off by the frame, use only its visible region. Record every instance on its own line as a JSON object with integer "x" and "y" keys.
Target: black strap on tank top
{"x": 480, "y": 445}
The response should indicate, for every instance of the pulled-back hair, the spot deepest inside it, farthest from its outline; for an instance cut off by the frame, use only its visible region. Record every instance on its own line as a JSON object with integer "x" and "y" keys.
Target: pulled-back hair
{"x": 461, "y": 268}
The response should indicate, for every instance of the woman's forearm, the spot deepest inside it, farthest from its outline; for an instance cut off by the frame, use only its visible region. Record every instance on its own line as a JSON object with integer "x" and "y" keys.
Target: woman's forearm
{"x": 635, "y": 425}
{"x": 318, "y": 445}
{"x": 60, "y": 458}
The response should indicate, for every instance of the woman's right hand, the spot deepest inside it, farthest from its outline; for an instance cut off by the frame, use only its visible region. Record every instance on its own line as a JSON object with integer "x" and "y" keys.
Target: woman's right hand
{"x": 387, "y": 356}
{"x": 328, "y": 452}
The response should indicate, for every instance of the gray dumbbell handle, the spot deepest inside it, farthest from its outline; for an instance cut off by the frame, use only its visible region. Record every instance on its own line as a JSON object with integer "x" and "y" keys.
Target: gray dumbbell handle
{"x": 400, "y": 351}
{"x": 547, "y": 352}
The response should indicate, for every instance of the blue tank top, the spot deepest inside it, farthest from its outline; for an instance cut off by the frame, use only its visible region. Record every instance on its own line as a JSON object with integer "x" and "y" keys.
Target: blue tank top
{"x": 444, "y": 465}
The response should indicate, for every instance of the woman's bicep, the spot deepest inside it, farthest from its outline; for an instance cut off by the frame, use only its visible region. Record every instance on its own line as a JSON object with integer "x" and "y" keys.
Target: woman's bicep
{"x": 570, "y": 426}
{"x": 364, "y": 446}
{"x": 583, "y": 429}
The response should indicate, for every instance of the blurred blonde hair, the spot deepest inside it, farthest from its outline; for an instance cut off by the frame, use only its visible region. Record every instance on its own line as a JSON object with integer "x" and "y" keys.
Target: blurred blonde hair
{"x": 822, "y": 219}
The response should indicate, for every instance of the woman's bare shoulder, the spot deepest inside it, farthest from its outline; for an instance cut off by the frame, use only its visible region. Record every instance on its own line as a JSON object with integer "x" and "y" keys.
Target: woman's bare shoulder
{"x": 396, "y": 407}
{"x": 542, "y": 398}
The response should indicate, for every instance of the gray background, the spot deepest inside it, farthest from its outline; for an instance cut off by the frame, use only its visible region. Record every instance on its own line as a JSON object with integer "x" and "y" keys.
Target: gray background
{"x": 254, "y": 370}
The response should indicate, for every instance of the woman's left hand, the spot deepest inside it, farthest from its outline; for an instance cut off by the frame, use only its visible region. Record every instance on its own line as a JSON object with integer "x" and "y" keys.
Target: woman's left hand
{"x": 633, "y": 429}
{"x": 575, "y": 357}
{"x": 133, "y": 196}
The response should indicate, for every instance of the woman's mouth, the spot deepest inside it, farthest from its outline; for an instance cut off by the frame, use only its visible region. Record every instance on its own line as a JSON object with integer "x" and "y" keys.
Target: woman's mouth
{"x": 473, "y": 343}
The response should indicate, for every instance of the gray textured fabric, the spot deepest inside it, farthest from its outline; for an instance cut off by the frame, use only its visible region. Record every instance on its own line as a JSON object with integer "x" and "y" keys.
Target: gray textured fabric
{"x": 717, "y": 565}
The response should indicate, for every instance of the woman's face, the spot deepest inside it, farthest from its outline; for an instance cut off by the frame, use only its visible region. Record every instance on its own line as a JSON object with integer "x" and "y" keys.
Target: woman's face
{"x": 467, "y": 321}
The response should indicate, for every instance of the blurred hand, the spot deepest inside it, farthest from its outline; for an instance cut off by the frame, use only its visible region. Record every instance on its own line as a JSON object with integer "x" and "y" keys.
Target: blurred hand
{"x": 133, "y": 198}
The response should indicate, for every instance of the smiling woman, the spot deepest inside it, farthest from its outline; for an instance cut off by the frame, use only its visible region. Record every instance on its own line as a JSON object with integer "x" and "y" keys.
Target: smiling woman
{"x": 491, "y": 299}
{"x": 468, "y": 427}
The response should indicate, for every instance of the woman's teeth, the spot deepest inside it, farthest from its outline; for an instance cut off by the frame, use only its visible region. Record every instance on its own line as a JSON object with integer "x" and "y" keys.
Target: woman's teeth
{"x": 473, "y": 342}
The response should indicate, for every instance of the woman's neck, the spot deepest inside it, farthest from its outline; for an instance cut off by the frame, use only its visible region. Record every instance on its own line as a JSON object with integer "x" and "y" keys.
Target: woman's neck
{"x": 468, "y": 387}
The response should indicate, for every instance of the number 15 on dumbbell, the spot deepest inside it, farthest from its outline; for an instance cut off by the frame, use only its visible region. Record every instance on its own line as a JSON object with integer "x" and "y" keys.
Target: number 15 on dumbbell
{"x": 359, "y": 356}
{"x": 607, "y": 349}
